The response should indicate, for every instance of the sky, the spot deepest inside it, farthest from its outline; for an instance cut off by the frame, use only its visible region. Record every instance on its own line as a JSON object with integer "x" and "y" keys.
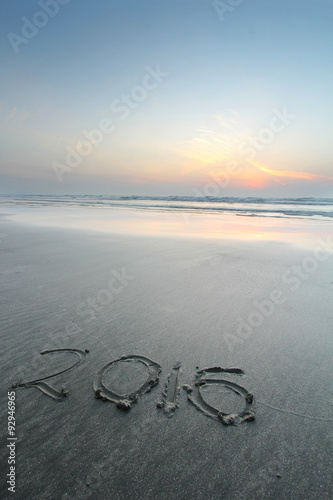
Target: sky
{"x": 167, "y": 97}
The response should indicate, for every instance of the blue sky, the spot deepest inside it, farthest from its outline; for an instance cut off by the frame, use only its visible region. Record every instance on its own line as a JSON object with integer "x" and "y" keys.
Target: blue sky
{"x": 224, "y": 78}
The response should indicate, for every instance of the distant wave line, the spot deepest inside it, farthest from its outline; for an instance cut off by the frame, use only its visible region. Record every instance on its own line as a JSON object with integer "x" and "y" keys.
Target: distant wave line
{"x": 203, "y": 199}
{"x": 268, "y": 207}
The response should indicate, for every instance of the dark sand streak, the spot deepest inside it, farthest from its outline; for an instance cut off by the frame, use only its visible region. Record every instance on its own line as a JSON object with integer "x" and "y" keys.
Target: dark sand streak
{"x": 219, "y": 369}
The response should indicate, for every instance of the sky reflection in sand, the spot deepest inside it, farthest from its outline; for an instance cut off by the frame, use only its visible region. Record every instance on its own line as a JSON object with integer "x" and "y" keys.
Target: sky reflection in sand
{"x": 297, "y": 231}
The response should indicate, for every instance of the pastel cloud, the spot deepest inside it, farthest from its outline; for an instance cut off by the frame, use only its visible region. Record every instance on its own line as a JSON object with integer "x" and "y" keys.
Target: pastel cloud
{"x": 284, "y": 175}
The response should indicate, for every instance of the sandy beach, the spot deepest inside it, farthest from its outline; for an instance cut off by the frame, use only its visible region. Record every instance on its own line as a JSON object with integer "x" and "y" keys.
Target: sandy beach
{"x": 263, "y": 307}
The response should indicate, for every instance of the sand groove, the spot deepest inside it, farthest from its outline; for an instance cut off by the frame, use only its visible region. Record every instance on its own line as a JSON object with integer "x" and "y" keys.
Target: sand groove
{"x": 195, "y": 396}
{"x": 290, "y": 412}
{"x": 170, "y": 395}
{"x": 46, "y": 388}
{"x": 125, "y": 401}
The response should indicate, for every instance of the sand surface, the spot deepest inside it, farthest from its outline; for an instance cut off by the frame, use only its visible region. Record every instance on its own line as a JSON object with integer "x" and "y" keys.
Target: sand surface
{"x": 169, "y": 300}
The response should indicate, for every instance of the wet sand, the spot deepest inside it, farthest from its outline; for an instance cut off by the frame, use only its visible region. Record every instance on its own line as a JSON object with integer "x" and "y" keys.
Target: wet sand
{"x": 206, "y": 303}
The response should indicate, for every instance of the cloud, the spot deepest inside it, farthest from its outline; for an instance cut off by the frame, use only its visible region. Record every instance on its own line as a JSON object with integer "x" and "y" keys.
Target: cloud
{"x": 12, "y": 113}
{"x": 215, "y": 141}
{"x": 13, "y": 120}
{"x": 290, "y": 174}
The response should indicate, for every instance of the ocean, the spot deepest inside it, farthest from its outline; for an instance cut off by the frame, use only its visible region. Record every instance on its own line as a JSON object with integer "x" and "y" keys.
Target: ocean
{"x": 305, "y": 208}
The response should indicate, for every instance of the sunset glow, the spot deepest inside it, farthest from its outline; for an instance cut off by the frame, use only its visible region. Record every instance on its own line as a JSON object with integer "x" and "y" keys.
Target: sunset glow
{"x": 143, "y": 113}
